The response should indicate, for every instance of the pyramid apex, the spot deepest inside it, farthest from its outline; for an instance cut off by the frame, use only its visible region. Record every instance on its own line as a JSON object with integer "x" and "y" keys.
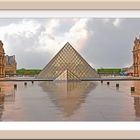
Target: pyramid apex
{"x": 68, "y": 43}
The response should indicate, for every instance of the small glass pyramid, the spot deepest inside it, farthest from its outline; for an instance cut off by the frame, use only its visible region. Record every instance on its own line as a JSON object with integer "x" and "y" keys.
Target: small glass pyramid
{"x": 67, "y": 76}
{"x": 68, "y": 60}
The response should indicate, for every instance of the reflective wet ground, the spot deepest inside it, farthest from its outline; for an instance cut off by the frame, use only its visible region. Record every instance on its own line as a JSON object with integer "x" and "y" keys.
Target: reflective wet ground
{"x": 72, "y": 101}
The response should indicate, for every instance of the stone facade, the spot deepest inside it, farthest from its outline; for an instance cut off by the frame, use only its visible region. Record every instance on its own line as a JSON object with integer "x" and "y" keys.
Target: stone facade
{"x": 136, "y": 57}
{"x": 7, "y": 63}
{"x": 2, "y": 61}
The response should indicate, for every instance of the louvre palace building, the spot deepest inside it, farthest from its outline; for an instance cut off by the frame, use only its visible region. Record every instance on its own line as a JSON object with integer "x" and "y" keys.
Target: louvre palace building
{"x": 7, "y": 63}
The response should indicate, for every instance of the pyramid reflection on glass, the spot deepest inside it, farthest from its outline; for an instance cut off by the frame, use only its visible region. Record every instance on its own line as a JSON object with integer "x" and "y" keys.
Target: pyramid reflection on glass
{"x": 68, "y": 62}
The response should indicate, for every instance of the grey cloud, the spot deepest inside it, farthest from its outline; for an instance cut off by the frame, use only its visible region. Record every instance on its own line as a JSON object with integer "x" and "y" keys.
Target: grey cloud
{"x": 111, "y": 46}
{"x": 18, "y": 44}
{"x": 106, "y": 46}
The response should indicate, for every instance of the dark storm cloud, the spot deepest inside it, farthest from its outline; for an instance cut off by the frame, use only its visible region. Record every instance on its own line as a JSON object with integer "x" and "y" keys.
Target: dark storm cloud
{"x": 109, "y": 45}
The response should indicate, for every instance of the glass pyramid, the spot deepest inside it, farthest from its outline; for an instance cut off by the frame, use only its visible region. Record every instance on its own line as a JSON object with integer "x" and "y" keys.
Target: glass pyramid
{"x": 68, "y": 59}
{"x": 67, "y": 76}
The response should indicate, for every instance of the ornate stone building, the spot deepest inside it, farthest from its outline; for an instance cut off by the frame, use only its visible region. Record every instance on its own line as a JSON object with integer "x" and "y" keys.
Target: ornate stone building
{"x": 136, "y": 57}
{"x": 7, "y": 63}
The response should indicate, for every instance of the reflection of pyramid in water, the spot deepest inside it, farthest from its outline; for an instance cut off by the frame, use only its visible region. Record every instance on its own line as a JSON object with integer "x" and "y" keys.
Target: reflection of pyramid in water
{"x": 67, "y": 76}
{"x": 68, "y": 59}
{"x": 68, "y": 96}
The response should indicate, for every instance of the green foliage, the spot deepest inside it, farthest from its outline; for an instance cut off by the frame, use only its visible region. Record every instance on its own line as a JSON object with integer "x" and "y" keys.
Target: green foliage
{"x": 109, "y": 71}
{"x": 28, "y": 71}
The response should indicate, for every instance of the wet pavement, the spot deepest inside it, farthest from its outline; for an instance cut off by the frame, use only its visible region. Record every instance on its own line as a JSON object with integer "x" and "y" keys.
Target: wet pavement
{"x": 72, "y": 101}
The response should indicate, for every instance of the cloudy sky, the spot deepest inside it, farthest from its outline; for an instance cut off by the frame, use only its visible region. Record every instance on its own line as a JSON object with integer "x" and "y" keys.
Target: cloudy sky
{"x": 103, "y": 42}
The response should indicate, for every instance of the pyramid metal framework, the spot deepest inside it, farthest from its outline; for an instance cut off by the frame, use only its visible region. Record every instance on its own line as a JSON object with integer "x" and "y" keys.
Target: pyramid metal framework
{"x": 68, "y": 59}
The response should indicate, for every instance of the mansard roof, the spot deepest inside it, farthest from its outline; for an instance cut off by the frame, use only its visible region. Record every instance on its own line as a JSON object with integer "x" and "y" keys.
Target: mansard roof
{"x": 10, "y": 59}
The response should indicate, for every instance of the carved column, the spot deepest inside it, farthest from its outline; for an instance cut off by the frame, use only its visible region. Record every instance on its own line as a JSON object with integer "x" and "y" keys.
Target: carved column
{"x": 137, "y": 65}
{"x": 134, "y": 62}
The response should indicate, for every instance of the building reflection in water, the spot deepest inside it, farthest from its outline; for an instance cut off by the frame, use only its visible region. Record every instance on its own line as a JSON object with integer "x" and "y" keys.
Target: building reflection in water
{"x": 2, "y": 97}
{"x": 7, "y": 94}
{"x": 136, "y": 96}
{"x": 68, "y": 96}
